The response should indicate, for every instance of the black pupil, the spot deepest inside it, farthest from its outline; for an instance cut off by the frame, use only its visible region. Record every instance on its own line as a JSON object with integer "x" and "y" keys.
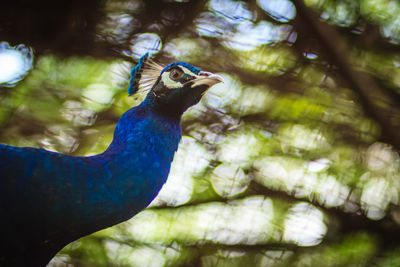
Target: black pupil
{"x": 176, "y": 73}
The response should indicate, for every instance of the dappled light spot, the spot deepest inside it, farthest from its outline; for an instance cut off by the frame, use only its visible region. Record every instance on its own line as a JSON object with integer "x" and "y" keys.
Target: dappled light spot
{"x": 60, "y": 138}
{"x": 302, "y": 179}
{"x": 385, "y": 11}
{"x": 381, "y": 156}
{"x": 239, "y": 148}
{"x": 253, "y": 100}
{"x": 15, "y": 62}
{"x": 233, "y": 11}
{"x": 318, "y": 165}
{"x": 155, "y": 255}
{"x": 330, "y": 192}
{"x": 210, "y": 25}
{"x": 249, "y": 35}
{"x": 273, "y": 174}
{"x": 148, "y": 225}
{"x": 304, "y": 183}
{"x": 376, "y": 196}
{"x": 284, "y": 174}
{"x": 143, "y": 43}
{"x": 392, "y": 32}
{"x": 280, "y": 10}
{"x": 381, "y": 182}
{"x": 246, "y": 35}
{"x": 190, "y": 160}
{"x": 98, "y": 94}
{"x": 117, "y": 251}
{"x": 77, "y": 114}
{"x": 117, "y": 27}
{"x": 187, "y": 49}
{"x": 344, "y": 14}
{"x": 310, "y": 55}
{"x": 302, "y": 137}
{"x": 60, "y": 260}
{"x": 118, "y": 73}
{"x": 218, "y": 97}
{"x": 229, "y": 181}
{"x": 246, "y": 221}
{"x": 304, "y": 225}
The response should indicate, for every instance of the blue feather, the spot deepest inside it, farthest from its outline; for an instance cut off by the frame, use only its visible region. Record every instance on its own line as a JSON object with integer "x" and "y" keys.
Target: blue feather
{"x": 184, "y": 64}
{"x": 136, "y": 74}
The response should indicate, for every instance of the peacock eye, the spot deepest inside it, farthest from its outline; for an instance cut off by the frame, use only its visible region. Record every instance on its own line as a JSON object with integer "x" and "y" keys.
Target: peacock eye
{"x": 176, "y": 74}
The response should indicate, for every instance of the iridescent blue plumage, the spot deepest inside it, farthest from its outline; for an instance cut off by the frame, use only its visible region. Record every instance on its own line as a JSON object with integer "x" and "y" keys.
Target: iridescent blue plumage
{"x": 184, "y": 64}
{"x": 49, "y": 199}
{"x": 136, "y": 74}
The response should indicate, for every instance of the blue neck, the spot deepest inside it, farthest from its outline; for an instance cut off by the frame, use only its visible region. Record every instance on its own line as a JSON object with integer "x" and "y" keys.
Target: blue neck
{"x": 144, "y": 123}
{"x": 138, "y": 160}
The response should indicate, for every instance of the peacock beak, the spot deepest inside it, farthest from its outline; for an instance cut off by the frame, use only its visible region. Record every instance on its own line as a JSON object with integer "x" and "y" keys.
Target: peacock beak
{"x": 207, "y": 78}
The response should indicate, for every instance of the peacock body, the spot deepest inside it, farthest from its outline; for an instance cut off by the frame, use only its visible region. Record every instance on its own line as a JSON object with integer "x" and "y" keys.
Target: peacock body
{"x": 49, "y": 199}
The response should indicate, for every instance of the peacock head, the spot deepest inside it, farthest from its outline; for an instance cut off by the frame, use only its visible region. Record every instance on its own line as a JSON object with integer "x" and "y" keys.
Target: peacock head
{"x": 173, "y": 88}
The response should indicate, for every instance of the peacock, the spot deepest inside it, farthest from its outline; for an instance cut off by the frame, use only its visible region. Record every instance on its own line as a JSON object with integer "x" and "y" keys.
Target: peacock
{"x": 49, "y": 199}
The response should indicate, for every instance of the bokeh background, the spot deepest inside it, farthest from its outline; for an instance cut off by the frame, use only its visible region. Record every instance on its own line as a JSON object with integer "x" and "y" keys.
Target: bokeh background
{"x": 293, "y": 161}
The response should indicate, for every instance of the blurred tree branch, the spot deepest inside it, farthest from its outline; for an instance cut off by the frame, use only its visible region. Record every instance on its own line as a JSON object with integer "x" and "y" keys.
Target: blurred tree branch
{"x": 374, "y": 99}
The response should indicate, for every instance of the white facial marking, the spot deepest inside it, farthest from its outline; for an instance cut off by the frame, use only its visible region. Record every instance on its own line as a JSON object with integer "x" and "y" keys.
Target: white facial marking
{"x": 187, "y": 71}
{"x": 168, "y": 82}
{"x": 173, "y": 84}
